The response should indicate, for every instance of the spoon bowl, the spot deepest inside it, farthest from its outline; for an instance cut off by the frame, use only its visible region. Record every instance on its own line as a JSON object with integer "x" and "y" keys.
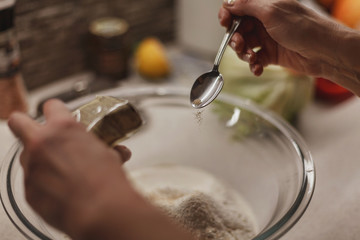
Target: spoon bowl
{"x": 206, "y": 88}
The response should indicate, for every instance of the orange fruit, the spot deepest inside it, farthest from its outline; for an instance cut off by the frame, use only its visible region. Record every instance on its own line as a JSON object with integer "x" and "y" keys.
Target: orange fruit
{"x": 151, "y": 60}
{"x": 347, "y": 12}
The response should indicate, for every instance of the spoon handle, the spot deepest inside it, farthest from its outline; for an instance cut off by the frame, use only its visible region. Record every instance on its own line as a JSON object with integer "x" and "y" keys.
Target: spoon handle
{"x": 225, "y": 42}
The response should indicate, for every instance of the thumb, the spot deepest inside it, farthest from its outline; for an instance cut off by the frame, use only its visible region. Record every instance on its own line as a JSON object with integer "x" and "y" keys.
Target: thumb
{"x": 251, "y": 8}
{"x": 124, "y": 152}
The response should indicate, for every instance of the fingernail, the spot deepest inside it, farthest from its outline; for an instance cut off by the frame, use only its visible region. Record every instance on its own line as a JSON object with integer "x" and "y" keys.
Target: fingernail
{"x": 256, "y": 69}
{"x": 233, "y": 45}
{"x": 229, "y": 2}
{"x": 247, "y": 57}
{"x": 124, "y": 152}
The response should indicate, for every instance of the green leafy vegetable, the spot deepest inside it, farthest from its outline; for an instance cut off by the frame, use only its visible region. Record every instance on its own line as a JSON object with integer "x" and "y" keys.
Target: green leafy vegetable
{"x": 277, "y": 89}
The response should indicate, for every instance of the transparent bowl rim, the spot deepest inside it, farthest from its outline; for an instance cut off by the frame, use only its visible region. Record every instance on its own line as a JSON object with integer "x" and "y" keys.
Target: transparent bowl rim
{"x": 277, "y": 230}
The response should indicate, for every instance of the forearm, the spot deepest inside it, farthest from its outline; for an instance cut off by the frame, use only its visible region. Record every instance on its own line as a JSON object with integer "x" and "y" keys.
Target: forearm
{"x": 343, "y": 63}
{"x": 328, "y": 48}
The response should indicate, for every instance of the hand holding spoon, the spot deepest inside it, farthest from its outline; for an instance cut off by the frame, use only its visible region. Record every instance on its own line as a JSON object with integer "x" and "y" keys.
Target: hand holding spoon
{"x": 206, "y": 87}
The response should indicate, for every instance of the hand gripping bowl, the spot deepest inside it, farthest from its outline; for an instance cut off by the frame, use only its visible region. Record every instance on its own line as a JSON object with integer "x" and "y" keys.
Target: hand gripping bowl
{"x": 252, "y": 150}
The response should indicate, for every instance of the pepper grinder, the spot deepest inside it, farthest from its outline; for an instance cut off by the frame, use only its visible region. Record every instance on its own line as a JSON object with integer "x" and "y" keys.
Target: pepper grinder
{"x": 12, "y": 89}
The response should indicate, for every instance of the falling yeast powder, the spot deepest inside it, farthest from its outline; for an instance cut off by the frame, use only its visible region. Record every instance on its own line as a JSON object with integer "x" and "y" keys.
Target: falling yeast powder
{"x": 198, "y": 116}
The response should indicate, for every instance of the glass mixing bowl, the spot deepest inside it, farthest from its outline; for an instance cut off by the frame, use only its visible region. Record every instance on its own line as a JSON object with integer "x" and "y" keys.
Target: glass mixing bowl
{"x": 251, "y": 149}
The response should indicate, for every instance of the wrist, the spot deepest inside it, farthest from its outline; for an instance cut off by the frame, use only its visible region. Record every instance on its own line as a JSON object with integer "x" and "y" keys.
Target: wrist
{"x": 108, "y": 222}
{"x": 344, "y": 66}
{"x": 129, "y": 216}
{"x": 108, "y": 217}
{"x": 95, "y": 214}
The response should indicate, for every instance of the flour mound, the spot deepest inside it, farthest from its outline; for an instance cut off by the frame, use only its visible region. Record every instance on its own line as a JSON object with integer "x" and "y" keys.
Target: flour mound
{"x": 198, "y": 202}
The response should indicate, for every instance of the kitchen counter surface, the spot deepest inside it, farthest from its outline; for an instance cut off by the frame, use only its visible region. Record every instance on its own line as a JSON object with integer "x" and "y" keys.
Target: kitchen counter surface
{"x": 332, "y": 134}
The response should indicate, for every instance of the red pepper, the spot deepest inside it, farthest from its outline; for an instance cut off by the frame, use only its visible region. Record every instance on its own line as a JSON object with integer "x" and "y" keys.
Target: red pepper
{"x": 329, "y": 91}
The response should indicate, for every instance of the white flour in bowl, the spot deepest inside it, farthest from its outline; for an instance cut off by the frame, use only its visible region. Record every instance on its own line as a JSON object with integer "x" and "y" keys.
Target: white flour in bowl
{"x": 198, "y": 201}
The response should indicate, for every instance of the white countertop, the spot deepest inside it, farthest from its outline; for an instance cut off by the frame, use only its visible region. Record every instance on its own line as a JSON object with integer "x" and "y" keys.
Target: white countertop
{"x": 333, "y": 136}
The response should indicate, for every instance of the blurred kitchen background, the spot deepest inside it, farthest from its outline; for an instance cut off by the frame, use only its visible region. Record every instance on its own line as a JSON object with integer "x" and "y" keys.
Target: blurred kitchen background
{"x": 57, "y": 42}
{"x": 52, "y": 33}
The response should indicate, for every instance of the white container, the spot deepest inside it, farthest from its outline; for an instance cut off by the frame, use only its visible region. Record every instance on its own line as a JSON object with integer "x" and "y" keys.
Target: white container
{"x": 198, "y": 29}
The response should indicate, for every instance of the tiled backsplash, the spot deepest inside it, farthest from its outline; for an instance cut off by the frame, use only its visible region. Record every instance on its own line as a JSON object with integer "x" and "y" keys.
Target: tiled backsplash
{"x": 51, "y": 32}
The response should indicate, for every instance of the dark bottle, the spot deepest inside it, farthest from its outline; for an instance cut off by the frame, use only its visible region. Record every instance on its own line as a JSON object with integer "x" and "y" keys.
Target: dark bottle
{"x": 12, "y": 90}
{"x": 107, "y": 47}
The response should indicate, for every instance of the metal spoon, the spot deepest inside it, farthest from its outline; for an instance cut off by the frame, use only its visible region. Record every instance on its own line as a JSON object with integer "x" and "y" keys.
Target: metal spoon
{"x": 206, "y": 87}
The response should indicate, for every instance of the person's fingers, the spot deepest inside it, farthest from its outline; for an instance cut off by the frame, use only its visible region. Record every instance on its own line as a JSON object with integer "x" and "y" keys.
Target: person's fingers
{"x": 124, "y": 152}
{"x": 252, "y": 41}
{"x": 22, "y": 126}
{"x": 265, "y": 58}
{"x": 55, "y": 109}
{"x": 248, "y": 56}
{"x": 237, "y": 43}
{"x": 256, "y": 68}
{"x": 247, "y": 24}
{"x": 224, "y": 17}
{"x": 245, "y": 8}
